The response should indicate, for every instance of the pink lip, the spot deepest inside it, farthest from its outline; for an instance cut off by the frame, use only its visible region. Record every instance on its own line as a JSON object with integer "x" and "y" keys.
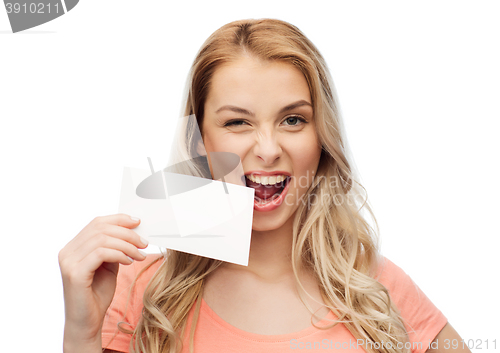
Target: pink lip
{"x": 274, "y": 204}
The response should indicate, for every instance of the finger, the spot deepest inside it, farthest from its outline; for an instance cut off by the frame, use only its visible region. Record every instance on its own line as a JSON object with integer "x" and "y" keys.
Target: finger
{"x": 97, "y": 236}
{"x": 109, "y": 237}
{"x": 102, "y": 225}
{"x": 94, "y": 260}
{"x": 128, "y": 249}
{"x": 125, "y": 234}
{"x": 119, "y": 219}
{"x": 83, "y": 272}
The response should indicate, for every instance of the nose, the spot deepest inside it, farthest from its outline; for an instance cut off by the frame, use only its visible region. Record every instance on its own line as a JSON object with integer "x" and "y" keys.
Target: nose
{"x": 267, "y": 147}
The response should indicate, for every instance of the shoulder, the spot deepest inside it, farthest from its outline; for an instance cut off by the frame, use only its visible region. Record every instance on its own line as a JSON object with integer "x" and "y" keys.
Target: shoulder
{"x": 394, "y": 278}
{"x": 139, "y": 271}
{"x": 423, "y": 320}
{"x": 402, "y": 290}
{"x": 131, "y": 283}
{"x": 133, "y": 279}
{"x": 126, "y": 307}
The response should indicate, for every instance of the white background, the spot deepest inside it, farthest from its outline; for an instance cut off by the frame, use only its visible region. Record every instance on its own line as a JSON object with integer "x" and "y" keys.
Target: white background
{"x": 100, "y": 88}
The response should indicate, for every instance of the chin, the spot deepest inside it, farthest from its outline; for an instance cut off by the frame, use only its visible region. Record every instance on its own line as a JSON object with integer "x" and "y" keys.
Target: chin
{"x": 266, "y": 222}
{"x": 264, "y": 227}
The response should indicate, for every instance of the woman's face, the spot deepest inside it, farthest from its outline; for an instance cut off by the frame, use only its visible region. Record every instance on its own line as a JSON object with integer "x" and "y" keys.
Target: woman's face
{"x": 262, "y": 111}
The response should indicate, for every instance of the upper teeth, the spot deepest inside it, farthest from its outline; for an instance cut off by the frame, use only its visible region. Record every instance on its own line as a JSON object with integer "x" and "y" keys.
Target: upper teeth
{"x": 266, "y": 180}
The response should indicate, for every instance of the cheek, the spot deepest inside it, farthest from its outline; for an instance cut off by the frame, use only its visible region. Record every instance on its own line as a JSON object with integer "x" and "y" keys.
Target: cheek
{"x": 305, "y": 154}
{"x": 305, "y": 159}
{"x": 226, "y": 143}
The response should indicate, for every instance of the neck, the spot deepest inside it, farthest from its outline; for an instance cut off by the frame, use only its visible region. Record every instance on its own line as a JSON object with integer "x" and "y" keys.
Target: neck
{"x": 270, "y": 253}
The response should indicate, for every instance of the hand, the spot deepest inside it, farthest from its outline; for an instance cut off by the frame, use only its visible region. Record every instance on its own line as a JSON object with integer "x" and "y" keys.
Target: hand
{"x": 89, "y": 266}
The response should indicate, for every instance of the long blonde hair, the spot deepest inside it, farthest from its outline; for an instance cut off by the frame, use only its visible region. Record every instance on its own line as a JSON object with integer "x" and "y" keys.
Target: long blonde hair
{"x": 330, "y": 234}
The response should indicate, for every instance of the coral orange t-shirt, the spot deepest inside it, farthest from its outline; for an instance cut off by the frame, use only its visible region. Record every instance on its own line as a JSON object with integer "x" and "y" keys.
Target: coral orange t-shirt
{"x": 422, "y": 320}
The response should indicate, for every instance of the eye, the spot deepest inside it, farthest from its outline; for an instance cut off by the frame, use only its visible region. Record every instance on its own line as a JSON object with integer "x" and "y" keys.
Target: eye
{"x": 294, "y": 120}
{"x": 235, "y": 123}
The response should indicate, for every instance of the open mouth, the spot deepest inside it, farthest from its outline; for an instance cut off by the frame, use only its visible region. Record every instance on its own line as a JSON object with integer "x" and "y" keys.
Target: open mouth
{"x": 267, "y": 188}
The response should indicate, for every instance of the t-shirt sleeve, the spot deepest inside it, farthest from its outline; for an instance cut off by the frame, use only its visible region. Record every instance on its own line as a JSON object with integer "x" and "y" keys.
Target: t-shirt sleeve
{"x": 126, "y": 308}
{"x": 423, "y": 320}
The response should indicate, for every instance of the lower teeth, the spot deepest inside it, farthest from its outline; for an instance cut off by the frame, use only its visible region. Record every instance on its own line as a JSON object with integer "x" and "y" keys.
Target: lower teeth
{"x": 262, "y": 202}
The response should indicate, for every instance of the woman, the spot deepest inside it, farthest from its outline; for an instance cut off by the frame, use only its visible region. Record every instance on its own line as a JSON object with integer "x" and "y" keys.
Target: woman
{"x": 315, "y": 279}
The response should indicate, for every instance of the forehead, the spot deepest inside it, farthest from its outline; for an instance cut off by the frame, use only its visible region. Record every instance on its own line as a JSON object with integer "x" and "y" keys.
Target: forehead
{"x": 256, "y": 84}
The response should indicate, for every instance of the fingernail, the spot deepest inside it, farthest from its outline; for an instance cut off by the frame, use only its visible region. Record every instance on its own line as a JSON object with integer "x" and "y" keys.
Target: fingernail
{"x": 135, "y": 219}
{"x": 131, "y": 259}
{"x": 143, "y": 253}
{"x": 144, "y": 241}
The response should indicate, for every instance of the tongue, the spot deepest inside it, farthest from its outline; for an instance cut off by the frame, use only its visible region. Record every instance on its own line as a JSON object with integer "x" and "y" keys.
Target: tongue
{"x": 264, "y": 191}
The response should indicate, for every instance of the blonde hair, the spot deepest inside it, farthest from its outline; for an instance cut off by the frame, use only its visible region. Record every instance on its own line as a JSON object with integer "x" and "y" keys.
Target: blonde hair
{"x": 330, "y": 234}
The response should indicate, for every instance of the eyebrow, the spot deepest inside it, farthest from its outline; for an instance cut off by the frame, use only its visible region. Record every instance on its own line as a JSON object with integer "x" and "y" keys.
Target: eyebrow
{"x": 246, "y": 112}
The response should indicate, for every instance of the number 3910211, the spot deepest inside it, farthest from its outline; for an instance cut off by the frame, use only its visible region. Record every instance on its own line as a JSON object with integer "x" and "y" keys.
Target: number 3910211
{"x": 32, "y": 8}
{"x": 470, "y": 343}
